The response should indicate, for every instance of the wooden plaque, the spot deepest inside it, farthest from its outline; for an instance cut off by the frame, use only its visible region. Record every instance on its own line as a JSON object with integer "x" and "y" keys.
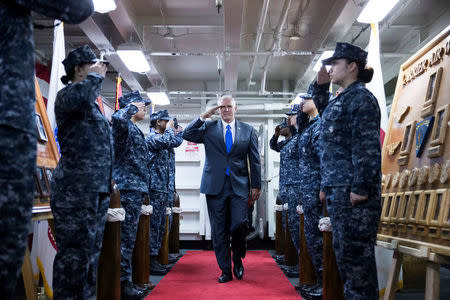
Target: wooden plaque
{"x": 47, "y": 153}
{"x": 416, "y": 189}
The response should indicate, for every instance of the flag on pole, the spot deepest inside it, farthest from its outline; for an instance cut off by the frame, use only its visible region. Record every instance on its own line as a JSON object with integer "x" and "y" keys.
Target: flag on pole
{"x": 118, "y": 91}
{"x": 59, "y": 53}
{"x": 100, "y": 104}
{"x": 376, "y": 86}
{"x": 43, "y": 252}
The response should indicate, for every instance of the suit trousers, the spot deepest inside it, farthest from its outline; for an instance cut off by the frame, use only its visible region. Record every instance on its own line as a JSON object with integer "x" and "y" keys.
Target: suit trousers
{"x": 227, "y": 214}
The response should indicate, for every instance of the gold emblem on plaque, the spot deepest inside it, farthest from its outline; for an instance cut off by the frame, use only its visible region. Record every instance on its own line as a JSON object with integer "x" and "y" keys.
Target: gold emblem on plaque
{"x": 387, "y": 180}
{"x": 392, "y": 148}
{"x": 445, "y": 172}
{"x": 413, "y": 177}
{"x": 423, "y": 175}
{"x": 434, "y": 173}
{"x": 400, "y": 116}
{"x": 403, "y": 178}
{"x": 395, "y": 179}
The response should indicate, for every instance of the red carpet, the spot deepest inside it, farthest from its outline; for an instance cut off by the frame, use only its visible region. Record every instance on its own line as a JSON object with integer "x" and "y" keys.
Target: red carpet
{"x": 196, "y": 273}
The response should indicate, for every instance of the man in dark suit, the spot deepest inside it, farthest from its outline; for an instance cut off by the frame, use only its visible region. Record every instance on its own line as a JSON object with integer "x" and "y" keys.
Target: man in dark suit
{"x": 231, "y": 149}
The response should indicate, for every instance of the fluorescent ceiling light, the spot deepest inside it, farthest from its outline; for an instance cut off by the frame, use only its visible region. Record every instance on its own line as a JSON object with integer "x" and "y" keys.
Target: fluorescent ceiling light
{"x": 376, "y": 10}
{"x": 104, "y": 6}
{"x": 133, "y": 57}
{"x": 325, "y": 55}
{"x": 158, "y": 98}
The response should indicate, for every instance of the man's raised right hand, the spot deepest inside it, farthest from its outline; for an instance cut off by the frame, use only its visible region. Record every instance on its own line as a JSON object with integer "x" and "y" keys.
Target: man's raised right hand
{"x": 207, "y": 114}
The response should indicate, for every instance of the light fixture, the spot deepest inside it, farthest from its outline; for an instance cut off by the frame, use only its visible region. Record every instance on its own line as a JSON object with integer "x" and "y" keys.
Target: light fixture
{"x": 104, "y": 6}
{"x": 158, "y": 98}
{"x": 295, "y": 35}
{"x": 168, "y": 35}
{"x": 219, "y": 4}
{"x": 133, "y": 57}
{"x": 376, "y": 10}
{"x": 325, "y": 55}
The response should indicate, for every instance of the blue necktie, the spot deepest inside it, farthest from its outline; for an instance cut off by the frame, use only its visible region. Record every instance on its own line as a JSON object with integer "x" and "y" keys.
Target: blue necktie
{"x": 228, "y": 143}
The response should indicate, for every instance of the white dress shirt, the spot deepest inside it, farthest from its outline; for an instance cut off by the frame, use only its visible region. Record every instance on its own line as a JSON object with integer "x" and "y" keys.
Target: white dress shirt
{"x": 233, "y": 128}
{"x": 224, "y": 127}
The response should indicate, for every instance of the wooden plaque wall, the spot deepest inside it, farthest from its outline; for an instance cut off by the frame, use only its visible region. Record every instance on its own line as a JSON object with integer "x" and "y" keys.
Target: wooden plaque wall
{"x": 47, "y": 155}
{"x": 416, "y": 151}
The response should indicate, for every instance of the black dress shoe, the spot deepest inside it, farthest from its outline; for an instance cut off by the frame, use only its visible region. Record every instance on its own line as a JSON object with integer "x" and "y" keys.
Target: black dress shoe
{"x": 291, "y": 272}
{"x": 173, "y": 258}
{"x": 225, "y": 278}
{"x": 314, "y": 291}
{"x": 129, "y": 291}
{"x": 280, "y": 260}
{"x": 156, "y": 268}
{"x": 238, "y": 269}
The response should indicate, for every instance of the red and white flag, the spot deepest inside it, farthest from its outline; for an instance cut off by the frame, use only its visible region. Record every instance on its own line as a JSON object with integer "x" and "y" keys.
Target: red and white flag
{"x": 376, "y": 86}
{"x": 118, "y": 91}
{"x": 59, "y": 53}
{"x": 43, "y": 251}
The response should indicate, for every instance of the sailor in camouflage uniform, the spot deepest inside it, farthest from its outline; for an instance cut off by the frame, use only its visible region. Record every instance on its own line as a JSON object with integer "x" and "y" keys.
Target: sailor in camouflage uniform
{"x": 171, "y": 188}
{"x": 309, "y": 172}
{"x": 131, "y": 173}
{"x": 289, "y": 184}
{"x": 351, "y": 167}
{"x": 18, "y": 124}
{"x": 81, "y": 183}
{"x": 163, "y": 137}
{"x": 284, "y": 130}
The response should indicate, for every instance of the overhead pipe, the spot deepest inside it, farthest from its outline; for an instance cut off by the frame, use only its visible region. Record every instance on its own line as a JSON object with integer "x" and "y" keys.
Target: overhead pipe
{"x": 246, "y": 99}
{"x": 232, "y": 53}
{"x": 276, "y": 43}
{"x": 233, "y": 92}
{"x": 262, "y": 21}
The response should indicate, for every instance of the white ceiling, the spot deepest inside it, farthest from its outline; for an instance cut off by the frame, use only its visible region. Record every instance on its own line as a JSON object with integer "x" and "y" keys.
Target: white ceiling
{"x": 197, "y": 32}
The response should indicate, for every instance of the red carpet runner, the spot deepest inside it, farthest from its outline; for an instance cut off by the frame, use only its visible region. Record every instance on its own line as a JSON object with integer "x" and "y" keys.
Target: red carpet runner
{"x": 196, "y": 273}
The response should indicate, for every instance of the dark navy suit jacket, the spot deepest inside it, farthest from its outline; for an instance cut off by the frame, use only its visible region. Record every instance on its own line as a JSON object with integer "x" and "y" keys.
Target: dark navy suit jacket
{"x": 210, "y": 133}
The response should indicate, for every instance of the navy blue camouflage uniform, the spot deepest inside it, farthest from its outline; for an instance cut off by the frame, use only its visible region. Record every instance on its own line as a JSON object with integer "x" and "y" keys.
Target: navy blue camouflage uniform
{"x": 81, "y": 183}
{"x": 158, "y": 145}
{"x": 131, "y": 173}
{"x": 351, "y": 162}
{"x": 289, "y": 184}
{"x": 171, "y": 189}
{"x": 277, "y": 146}
{"x": 309, "y": 174}
{"x": 18, "y": 125}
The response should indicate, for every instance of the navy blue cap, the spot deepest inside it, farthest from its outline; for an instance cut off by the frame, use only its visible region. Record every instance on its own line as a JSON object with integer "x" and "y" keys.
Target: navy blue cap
{"x": 283, "y": 124}
{"x": 132, "y": 97}
{"x": 309, "y": 93}
{"x": 79, "y": 56}
{"x": 159, "y": 115}
{"x": 346, "y": 50}
{"x": 294, "y": 110}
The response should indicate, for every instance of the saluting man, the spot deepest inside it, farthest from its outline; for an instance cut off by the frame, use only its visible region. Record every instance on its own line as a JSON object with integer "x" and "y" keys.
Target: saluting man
{"x": 225, "y": 180}
{"x": 131, "y": 173}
